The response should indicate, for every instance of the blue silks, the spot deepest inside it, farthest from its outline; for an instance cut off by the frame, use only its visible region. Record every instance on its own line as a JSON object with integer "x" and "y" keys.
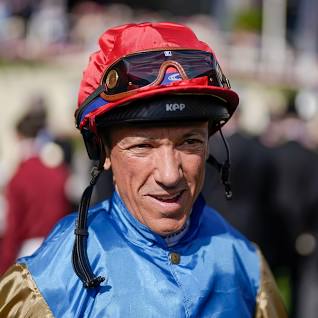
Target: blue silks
{"x": 218, "y": 274}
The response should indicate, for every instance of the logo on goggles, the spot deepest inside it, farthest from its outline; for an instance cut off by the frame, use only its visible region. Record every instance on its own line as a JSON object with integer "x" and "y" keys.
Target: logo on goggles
{"x": 174, "y": 107}
{"x": 174, "y": 77}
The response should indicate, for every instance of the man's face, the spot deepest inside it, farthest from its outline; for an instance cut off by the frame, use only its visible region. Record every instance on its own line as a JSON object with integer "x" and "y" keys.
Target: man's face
{"x": 159, "y": 171}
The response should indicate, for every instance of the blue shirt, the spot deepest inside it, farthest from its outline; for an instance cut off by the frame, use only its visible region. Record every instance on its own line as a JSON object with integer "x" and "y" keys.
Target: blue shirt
{"x": 217, "y": 275}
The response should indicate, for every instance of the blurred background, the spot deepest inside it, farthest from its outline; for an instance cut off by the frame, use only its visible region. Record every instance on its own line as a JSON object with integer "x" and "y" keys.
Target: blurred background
{"x": 268, "y": 49}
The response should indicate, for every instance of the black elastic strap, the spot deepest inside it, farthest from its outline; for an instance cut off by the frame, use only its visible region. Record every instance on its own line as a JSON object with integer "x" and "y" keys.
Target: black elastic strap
{"x": 223, "y": 169}
{"x": 81, "y": 232}
{"x": 80, "y": 260}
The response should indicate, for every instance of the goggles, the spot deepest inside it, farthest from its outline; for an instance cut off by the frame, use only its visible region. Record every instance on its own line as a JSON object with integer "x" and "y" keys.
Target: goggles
{"x": 149, "y": 68}
{"x": 136, "y": 72}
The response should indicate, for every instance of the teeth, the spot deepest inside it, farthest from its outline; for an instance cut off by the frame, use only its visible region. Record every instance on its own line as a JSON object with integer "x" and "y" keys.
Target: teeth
{"x": 167, "y": 197}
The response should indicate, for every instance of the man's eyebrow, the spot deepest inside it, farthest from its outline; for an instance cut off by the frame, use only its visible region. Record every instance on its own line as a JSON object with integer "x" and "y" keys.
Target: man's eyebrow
{"x": 197, "y": 131}
{"x": 142, "y": 137}
{"x": 185, "y": 135}
{"x": 137, "y": 139}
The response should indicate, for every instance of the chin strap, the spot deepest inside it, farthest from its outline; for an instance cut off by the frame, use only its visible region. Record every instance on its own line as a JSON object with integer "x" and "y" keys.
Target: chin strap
{"x": 80, "y": 260}
{"x": 223, "y": 169}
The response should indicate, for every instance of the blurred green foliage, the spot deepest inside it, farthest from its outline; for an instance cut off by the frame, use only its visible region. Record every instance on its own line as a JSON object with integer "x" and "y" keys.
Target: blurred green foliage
{"x": 283, "y": 281}
{"x": 248, "y": 20}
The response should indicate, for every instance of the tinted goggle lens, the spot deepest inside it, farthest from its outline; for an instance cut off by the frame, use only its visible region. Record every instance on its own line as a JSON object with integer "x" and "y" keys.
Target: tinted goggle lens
{"x": 142, "y": 69}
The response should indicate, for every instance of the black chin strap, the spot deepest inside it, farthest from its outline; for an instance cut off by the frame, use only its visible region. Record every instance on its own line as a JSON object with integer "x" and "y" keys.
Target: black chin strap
{"x": 223, "y": 169}
{"x": 80, "y": 260}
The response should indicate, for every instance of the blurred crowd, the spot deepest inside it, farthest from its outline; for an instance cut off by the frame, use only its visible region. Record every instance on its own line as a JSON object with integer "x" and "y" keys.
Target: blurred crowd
{"x": 275, "y": 202}
{"x": 37, "y": 30}
{"x": 273, "y": 138}
{"x": 31, "y": 29}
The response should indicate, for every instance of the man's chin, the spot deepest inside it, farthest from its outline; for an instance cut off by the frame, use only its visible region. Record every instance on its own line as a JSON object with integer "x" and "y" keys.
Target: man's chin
{"x": 168, "y": 226}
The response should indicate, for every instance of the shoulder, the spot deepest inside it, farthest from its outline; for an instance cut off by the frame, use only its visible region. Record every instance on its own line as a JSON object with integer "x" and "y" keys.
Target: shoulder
{"x": 249, "y": 266}
{"x": 234, "y": 253}
{"x": 19, "y": 295}
{"x": 213, "y": 222}
{"x": 59, "y": 243}
{"x": 221, "y": 230}
{"x": 269, "y": 302}
{"x": 50, "y": 267}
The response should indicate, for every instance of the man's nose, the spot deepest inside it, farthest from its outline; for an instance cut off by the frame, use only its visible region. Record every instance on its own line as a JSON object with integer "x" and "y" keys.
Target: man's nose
{"x": 168, "y": 167}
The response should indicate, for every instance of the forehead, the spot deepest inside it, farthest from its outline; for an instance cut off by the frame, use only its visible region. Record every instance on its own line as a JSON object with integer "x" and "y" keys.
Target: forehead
{"x": 169, "y": 130}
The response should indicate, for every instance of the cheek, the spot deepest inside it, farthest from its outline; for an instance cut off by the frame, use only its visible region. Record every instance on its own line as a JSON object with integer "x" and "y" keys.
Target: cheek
{"x": 129, "y": 172}
{"x": 194, "y": 169}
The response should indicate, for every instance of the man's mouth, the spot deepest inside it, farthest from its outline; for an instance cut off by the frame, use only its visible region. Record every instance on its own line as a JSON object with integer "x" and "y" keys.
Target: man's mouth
{"x": 168, "y": 198}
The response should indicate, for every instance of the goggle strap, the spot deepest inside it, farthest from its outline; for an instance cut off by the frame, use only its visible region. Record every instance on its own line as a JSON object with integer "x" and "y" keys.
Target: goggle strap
{"x": 78, "y": 114}
{"x": 163, "y": 68}
{"x": 165, "y": 65}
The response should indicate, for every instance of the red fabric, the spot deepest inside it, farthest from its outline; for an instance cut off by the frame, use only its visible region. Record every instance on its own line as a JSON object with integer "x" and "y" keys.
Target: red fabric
{"x": 35, "y": 201}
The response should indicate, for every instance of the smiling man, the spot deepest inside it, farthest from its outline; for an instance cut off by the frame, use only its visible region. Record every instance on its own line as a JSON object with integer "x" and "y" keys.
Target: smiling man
{"x": 149, "y": 100}
{"x": 163, "y": 171}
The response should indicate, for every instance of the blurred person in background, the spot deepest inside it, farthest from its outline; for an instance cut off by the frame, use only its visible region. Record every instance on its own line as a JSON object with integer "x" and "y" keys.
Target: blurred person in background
{"x": 35, "y": 194}
{"x": 149, "y": 100}
{"x": 48, "y": 25}
{"x": 295, "y": 201}
{"x": 295, "y": 204}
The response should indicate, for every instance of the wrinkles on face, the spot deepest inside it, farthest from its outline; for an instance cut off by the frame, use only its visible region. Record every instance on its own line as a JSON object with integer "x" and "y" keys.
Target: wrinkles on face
{"x": 159, "y": 171}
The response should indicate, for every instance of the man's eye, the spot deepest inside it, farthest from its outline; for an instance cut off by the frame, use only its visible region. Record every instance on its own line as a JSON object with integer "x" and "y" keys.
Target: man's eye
{"x": 141, "y": 146}
{"x": 192, "y": 141}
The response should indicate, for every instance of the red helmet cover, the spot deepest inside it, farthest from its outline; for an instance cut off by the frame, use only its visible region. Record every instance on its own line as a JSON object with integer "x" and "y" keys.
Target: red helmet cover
{"x": 126, "y": 39}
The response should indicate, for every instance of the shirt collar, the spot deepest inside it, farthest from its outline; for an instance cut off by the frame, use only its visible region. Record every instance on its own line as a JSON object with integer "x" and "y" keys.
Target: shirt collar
{"x": 174, "y": 238}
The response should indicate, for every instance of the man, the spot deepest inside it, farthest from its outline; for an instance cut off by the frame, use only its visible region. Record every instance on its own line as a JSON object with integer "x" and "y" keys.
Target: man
{"x": 149, "y": 99}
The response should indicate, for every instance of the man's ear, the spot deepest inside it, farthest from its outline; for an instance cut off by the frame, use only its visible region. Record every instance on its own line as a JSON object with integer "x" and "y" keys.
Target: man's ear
{"x": 107, "y": 163}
